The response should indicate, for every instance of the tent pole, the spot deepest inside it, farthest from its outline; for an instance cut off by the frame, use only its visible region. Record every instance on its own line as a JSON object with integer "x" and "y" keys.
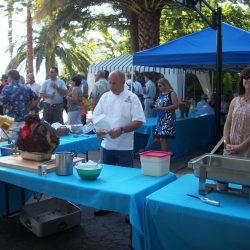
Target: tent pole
{"x": 132, "y": 78}
{"x": 184, "y": 86}
{"x": 218, "y": 75}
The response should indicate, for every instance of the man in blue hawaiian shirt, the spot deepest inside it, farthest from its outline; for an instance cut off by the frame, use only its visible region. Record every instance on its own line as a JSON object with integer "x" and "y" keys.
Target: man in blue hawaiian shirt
{"x": 17, "y": 98}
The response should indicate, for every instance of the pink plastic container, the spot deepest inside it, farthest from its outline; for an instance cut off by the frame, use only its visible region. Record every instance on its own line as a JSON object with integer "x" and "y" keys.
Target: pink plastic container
{"x": 155, "y": 163}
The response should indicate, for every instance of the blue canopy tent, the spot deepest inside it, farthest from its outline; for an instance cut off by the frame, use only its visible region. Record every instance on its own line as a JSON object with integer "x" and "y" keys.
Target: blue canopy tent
{"x": 198, "y": 51}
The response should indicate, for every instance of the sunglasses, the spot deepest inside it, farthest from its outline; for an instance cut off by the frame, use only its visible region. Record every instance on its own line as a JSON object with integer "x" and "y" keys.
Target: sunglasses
{"x": 246, "y": 77}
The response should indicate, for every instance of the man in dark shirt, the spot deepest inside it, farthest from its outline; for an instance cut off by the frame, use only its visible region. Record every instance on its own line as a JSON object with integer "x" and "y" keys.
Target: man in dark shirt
{"x": 4, "y": 81}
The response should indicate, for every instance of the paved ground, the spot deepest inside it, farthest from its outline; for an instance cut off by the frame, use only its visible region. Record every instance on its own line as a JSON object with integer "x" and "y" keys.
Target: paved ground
{"x": 109, "y": 232}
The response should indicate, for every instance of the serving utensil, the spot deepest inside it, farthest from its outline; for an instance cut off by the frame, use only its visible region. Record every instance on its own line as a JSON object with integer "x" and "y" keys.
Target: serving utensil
{"x": 205, "y": 200}
{"x": 83, "y": 135}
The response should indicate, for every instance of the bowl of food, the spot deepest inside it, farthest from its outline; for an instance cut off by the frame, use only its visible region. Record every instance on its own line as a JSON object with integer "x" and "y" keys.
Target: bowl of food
{"x": 76, "y": 128}
{"x": 89, "y": 170}
{"x": 63, "y": 130}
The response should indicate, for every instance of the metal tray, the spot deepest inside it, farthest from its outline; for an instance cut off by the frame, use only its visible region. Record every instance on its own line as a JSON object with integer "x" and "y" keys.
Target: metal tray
{"x": 35, "y": 156}
{"x": 223, "y": 168}
{"x": 50, "y": 216}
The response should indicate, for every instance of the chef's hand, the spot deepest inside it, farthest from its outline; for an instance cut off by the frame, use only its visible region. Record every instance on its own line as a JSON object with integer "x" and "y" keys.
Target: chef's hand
{"x": 101, "y": 133}
{"x": 115, "y": 132}
{"x": 233, "y": 149}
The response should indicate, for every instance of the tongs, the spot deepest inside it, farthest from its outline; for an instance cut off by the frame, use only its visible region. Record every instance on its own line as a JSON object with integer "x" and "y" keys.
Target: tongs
{"x": 205, "y": 200}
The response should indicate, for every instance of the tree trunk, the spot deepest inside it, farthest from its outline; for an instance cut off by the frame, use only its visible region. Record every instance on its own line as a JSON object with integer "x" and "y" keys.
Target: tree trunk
{"x": 30, "y": 51}
{"x": 149, "y": 28}
{"x": 134, "y": 33}
{"x": 10, "y": 27}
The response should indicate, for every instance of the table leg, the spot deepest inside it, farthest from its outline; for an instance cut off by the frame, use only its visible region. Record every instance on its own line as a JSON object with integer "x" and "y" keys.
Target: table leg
{"x": 6, "y": 199}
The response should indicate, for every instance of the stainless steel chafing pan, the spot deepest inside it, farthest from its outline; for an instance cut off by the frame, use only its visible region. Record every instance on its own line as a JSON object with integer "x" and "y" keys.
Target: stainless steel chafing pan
{"x": 221, "y": 168}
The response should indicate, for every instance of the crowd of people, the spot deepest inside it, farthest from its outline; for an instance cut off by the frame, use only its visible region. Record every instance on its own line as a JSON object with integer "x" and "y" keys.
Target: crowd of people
{"x": 125, "y": 103}
{"x": 49, "y": 99}
{"x": 19, "y": 98}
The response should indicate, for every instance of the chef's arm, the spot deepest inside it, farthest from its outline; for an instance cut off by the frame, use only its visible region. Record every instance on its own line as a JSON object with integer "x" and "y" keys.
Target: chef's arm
{"x": 116, "y": 132}
{"x": 131, "y": 127}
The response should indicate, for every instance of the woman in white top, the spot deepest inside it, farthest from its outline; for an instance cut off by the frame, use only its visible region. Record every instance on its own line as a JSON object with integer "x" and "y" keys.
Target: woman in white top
{"x": 237, "y": 126}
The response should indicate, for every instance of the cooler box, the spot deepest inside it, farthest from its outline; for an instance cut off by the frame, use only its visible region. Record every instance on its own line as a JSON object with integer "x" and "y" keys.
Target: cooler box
{"x": 50, "y": 216}
{"x": 155, "y": 163}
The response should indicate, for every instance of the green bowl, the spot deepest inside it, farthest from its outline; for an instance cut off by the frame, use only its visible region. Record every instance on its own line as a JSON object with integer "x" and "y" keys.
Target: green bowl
{"x": 88, "y": 173}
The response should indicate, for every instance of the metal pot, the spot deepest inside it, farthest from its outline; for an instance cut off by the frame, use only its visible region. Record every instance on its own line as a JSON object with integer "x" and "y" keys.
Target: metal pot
{"x": 64, "y": 163}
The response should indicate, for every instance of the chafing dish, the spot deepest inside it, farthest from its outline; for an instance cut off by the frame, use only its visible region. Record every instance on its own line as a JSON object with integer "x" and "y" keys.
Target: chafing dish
{"x": 223, "y": 170}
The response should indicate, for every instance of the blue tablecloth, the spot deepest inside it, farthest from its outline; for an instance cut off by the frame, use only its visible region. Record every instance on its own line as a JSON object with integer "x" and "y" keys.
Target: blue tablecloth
{"x": 75, "y": 144}
{"x": 191, "y": 133}
{"x": 67, "y": 143}
{"x": 117, "y": 189}
{"x": 79, "y": 144}
{"x": 174, "y": 220}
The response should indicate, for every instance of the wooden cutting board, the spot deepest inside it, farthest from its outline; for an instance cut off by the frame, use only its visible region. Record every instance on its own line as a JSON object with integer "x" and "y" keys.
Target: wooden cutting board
{"x": 17, "y": 162}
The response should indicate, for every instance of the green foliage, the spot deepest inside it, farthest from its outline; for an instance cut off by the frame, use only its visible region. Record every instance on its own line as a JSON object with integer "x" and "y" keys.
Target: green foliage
{"x": 237, "y": 16}
{"x": 177, "y": 22}
{"x": 227, "y": 83}
{"x": 66, "y": 24}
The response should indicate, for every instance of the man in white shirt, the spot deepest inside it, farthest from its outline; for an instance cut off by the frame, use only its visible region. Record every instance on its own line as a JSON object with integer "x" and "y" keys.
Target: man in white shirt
{"x": 136, "y": 86}
{"x": 31, "y": 83}
{"x": 124, "y": 113}
{"x": 149, "y": 95}
{"x": 53, "y": 91}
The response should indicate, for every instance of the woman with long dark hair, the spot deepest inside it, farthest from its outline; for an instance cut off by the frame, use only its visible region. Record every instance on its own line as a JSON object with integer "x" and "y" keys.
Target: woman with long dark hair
{"x": 74, "y": 101}
{"x": 237, "y": 126}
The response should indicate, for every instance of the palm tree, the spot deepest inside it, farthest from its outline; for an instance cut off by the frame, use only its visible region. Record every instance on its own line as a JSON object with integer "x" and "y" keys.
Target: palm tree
{"x": 148, "y": 15}
{"x": 19, "y": 6}
{"x": 143, "y": 17}
{"x": 57, "y": 41}
{"x": 53, "y": 47}
{"x": 10, "y": 10}
{"x": 30, "y": 51}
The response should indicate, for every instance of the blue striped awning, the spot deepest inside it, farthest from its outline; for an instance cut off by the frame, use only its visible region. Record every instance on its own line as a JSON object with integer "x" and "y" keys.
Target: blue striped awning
{"x": 124, "y": 63}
